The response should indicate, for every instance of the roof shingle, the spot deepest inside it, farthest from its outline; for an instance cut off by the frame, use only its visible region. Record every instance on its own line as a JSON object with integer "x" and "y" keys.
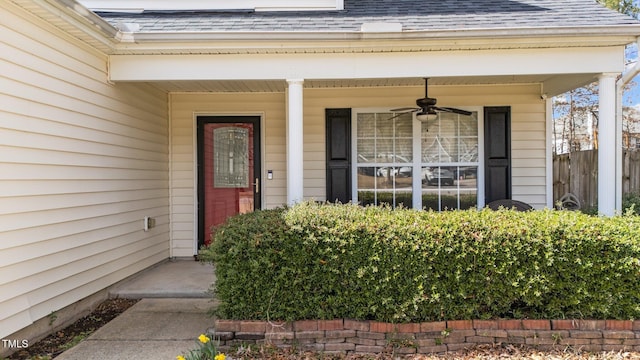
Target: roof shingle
{"x": 412, "y": 14}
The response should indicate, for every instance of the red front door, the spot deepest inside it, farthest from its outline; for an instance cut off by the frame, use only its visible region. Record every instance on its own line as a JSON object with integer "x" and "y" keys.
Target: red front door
{"x": 229, "y": 171}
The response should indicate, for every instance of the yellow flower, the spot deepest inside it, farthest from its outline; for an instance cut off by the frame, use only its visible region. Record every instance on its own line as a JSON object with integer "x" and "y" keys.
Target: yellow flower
{"x": 203, "y": 338}
{"x": 180, "y": 357}
{"x": 220, "y": 356}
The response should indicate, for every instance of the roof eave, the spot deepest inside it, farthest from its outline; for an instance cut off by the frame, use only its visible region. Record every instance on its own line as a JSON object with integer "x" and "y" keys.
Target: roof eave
{"x": 92, "y": 19}
{"x": 69, "y": 15}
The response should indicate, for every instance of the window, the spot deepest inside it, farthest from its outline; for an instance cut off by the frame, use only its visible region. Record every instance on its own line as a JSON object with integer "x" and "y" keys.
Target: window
{"x": 449, "y": 168}
{"x": 401, "y": 161}
{"x": 384, "y": 159}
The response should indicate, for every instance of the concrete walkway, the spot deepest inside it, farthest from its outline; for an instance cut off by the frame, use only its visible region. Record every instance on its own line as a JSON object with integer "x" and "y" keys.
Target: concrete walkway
{"x": 164, "y": 324}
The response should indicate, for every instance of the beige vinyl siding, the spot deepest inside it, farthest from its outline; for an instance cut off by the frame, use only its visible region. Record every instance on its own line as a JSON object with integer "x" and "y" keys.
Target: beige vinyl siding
{"x": 82, "y": 162}
{"x": 528, "y": 138}
{"x": 528, "y": 144}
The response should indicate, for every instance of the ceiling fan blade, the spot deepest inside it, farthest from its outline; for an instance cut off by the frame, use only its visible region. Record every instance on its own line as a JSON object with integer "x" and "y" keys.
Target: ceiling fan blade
{"x": 453, "y": 110}
{"x": 405, "y": 109}
{"x": 402, "y": 113}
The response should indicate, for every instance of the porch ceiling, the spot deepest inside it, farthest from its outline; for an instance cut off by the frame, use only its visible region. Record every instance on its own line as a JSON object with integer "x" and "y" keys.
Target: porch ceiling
{"x": 568, "y": 81}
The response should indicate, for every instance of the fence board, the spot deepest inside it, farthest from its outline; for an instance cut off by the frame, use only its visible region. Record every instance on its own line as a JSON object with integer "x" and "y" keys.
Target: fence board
{"x": 577, "y": 173}
{"x": 560, "y": 176}
{"x": 631, "y": 166}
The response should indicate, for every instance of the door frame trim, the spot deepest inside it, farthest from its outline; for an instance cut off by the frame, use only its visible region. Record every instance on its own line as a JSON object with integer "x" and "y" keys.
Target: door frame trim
{"x": 203, "y": 118}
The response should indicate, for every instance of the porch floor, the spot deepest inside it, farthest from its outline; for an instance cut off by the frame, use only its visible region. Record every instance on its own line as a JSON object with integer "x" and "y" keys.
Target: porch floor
{"x": 182, "y": 278}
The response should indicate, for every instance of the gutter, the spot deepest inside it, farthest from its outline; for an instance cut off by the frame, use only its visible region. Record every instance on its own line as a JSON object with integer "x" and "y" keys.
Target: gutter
{"x": 626, "y": 77}
{"x": 628, "y": 32}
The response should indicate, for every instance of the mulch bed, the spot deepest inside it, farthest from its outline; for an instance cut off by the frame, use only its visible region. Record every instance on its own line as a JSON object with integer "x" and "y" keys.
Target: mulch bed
{"x": 480, "y": 352}
{"x": 54, "y": 344}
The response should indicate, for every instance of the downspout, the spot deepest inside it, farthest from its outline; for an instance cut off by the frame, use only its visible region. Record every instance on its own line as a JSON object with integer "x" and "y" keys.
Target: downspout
{"x": 626, "y": 77}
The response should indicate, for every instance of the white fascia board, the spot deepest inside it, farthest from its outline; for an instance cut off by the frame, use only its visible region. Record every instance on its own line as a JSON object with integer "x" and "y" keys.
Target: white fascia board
{"x": 168, "y": 5}
{"x": 366, "y": 65}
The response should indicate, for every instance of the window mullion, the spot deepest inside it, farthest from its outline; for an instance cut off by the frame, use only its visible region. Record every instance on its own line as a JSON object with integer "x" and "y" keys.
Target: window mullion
{"x": 375, "y": 160}
{"x": 392, "y": 168}
{"x": 416, "y": 185}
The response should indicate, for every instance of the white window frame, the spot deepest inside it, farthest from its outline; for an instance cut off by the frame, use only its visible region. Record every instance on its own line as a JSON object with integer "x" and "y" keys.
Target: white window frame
{"x": 417, "y": 158}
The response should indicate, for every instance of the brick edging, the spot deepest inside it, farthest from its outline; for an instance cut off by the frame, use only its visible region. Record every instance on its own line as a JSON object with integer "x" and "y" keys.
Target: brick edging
{"x": 353, "y": 336}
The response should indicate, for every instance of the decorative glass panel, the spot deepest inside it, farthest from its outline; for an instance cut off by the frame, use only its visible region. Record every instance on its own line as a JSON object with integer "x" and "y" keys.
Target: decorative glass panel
{"x": 231, "y": 157}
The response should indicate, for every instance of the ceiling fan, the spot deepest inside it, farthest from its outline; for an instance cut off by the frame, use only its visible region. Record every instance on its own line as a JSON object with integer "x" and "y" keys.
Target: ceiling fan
{"x": 427, "y": 109}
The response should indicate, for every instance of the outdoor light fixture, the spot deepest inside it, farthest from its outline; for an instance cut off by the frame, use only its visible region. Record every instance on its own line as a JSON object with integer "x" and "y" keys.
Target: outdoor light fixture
{"x": 427, "y": 115}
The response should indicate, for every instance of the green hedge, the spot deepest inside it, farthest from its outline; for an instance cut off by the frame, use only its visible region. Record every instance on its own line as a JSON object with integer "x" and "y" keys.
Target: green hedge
{"x": 631, "y": 202}
{"x": 322, "y": 261}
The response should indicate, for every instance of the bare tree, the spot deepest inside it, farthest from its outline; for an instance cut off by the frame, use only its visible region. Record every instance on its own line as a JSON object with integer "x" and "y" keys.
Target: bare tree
{"x": 575, "y": 119}
{"x": 630, "y": 127}
{"x": 575, "y": 113}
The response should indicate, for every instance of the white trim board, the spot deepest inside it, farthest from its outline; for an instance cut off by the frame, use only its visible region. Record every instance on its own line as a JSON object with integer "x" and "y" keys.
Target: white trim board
{"x": 364, "y": 65}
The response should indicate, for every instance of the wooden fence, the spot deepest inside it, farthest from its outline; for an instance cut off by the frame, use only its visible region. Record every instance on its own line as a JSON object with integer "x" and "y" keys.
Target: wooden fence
{"x": 577, "y": 173}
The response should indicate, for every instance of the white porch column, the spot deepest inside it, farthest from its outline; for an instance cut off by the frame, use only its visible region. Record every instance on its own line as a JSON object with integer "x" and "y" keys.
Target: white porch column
{"x": 607, "y": 181}
{"x": 295, "y": 144}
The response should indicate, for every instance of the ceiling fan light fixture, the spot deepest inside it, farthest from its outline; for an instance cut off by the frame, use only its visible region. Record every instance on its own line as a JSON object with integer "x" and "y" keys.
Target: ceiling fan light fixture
{"x": 427, "y": 116}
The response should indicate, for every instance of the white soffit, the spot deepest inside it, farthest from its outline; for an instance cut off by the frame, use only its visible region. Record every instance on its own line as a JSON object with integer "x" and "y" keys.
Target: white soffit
{"x": 279, "y": 86}
{"x": 136, "y": 6}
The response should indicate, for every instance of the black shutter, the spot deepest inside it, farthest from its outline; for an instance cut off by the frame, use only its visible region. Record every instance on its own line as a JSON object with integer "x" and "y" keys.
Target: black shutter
{"x": 338, "y": 135}
{"x": 497, "y": 153}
